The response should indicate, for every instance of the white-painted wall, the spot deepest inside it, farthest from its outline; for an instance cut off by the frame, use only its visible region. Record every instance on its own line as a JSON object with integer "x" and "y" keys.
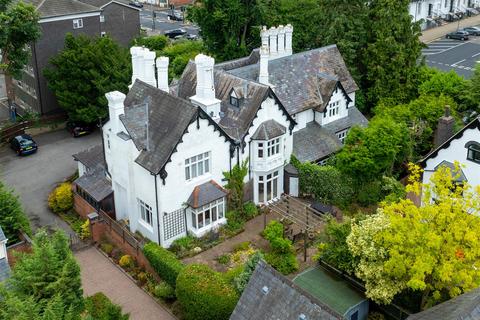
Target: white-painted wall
{"x": 325, "y": 118}
{"x": 302, "y": 118}
{"x": 457, "y": 152}
{"x": 3, "y": 249}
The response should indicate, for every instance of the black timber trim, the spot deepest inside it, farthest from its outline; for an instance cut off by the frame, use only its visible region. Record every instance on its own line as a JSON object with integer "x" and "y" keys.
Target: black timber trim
{"x": 474, "y": 124}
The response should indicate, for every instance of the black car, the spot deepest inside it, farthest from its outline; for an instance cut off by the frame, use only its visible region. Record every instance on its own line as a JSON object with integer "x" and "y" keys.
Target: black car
{"x": 172, "y": 34}
{"x": 78, "y": 129}
{"x": 473, "y": 31}
{"x": 192, "y": 36}
{"x": 176, "y": 16}
{"x": 459, "y": 35}
{"x": 136, "y": 4}
{"x": 23, "y": 145}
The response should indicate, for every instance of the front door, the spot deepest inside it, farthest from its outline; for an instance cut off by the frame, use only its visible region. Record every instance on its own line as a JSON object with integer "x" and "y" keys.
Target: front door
{"x": 268, "y": 187}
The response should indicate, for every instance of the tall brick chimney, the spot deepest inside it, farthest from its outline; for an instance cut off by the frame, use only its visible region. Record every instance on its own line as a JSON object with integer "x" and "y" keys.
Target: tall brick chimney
{"x": 445, "y": 128}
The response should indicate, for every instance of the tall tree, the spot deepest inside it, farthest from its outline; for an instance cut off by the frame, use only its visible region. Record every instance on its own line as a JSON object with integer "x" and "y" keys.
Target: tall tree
{"x": 433, "y": 249}
{"x": 84, "y": 71}
{"x": 19, "y": 27}
{"x": 390, "y": 60}
{"x": 229, "y": 28}
{"x": 12, "y": 217}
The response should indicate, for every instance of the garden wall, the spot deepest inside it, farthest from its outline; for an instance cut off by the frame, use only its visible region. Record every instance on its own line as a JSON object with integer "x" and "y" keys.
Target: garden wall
{"x": 81, "y": 206}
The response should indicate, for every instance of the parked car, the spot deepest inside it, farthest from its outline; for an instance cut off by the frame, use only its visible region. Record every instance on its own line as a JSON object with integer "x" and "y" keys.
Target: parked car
{"x": 172, "y": 34}
{"x": 473, "y": 31}
{"x": 191, "y": 37}
{"x": 176, "y": 16}
{"x": 459, "y": 35}
{"x": 23, "y": 144}
{"x": 78, "y": 129}
{"x": 137, "y": 4}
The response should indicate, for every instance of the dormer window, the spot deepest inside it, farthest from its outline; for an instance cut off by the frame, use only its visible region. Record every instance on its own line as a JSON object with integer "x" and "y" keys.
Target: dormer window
{"x": 234, "y": 101}
{"x": 473, "y": 151}
{"x": 235, "y": 96}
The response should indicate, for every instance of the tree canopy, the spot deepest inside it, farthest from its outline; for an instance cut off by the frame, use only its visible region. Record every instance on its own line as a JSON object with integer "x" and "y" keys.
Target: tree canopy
{"x": 84, "y": 71}
{"x": 434, "y": 249}
{"x": 12, "y": 217}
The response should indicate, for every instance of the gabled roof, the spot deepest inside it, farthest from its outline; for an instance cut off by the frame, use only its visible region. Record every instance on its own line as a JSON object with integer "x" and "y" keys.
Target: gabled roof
{"x": 235, "y": 120}
{"x": 457, "y": 174}
{"x": 472, "y": 125}
{"x": 206, "y": 193}
{"x": 463, "y": 307}
{"x": 268, "y": 130}
{"x": 298, "y": 78}
{"x": 92, "y": 157}
{"x": 168, "y": 119}
{"x": 56, "y": 8}
{"x": 271, "y": 296}
{"x": 103, "y": 3}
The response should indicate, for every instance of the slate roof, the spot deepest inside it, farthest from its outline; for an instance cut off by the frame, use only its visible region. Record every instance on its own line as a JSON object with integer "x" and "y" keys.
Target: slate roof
{"x": 304, "y": 80}
{"x": 314, "y": 143}
{"x": 56, "y": 8}
{"x": 355, "y": 118}
{"x": 332, "y": 291}
{"x": 92, "y": 157}
{"x": 168, "y": 119}
{"x": 268, "y": 130}
{"x": 96, "y": 184}
{"x": 283, "y": 300}
{"x": 463, "y": 307}
{"x": 206, "y": 193}
{"x": 2, "y": 235}
{"x": 102, "y": 3}
{"x": 235, "y": 120}
{"x": 459, "y": 176}
{"x": 4, "y": 270}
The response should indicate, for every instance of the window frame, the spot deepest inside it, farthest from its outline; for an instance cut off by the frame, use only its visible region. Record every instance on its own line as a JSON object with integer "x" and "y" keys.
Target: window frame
{"x": 342, "y": 135}
{"x": 77, "y": 23}
{"x": 473, "y": 151}
{"x": 268, "y": 188}
{"x": 334, "y": 108}
{"x": 146, "y": 212}
{"x": 234, "y": 101}
{"x": 193, "y": 165}
{"x": 273, "y": 147}
{"x": 260, "y": 150}
{"x": 215, "y": 209}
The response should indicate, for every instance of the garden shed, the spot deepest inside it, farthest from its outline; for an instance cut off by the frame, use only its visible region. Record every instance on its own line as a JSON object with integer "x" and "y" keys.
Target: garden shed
{"x": 334, "y": 292}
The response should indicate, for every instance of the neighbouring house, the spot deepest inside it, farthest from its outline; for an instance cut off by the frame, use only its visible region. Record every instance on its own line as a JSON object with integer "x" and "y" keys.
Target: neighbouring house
{"x": 271, "y": 296}
{"x": 166, "y": 146}
{"x": 334, "y": 292}
{"x": 94, "y": 18}
{"x": 4, "y": 266}
{"x": 463, "y": 307}
{"x": 431, "y": 11}
{"x": 462, "y": 147}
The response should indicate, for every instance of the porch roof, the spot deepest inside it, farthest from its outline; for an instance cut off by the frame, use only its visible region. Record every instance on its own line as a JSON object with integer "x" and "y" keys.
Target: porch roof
{"x": 95, "y": 184}
{"x": 206, "y": 193}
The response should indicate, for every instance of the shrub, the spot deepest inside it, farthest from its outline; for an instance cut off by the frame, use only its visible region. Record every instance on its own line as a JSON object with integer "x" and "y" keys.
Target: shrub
{"x": 61, "y": 198}
{"x": 126, "y": 261}
{"x": 85, "y": 230}
{"x": 164, "y": 262}
{"x": 284, "y": 263}
{"x": 224, "y": 259}
{"x": 183, "y": 244}
{"x": 273, "y": 230}
{"x": 250, "y": 210}
{"x": 142, "y": 278}
{"x": 164, "y": 291}
{"x": 232, "y": 274}
{"x": 282, "y": 256}
{"x": 241, "y": 246}
{"x": 107, "y": 248}
{"x": 155, "y": 43}
{"x": 241, "y": 280}
{"x": 99, "y": 307}
{"x": 235, "y": 223}
{"x": 205, "y": 294}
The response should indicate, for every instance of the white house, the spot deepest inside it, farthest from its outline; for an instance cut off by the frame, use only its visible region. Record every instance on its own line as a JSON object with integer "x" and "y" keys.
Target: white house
{"x": 166, "y": 146}
{"x": 464, "y": 147}
{"x": 4, "y": 267}
{"x": 431, "y": 10}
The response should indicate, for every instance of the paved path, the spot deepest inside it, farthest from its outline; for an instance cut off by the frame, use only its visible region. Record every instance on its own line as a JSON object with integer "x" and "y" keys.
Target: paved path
{"x": 34, "y": 176}
{"x": 100, "y": 275}
{"x": 438, "y": 32}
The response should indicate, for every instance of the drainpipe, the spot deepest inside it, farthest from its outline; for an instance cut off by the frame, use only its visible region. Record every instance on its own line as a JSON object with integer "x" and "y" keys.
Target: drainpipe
{"x": 156, "y": 206}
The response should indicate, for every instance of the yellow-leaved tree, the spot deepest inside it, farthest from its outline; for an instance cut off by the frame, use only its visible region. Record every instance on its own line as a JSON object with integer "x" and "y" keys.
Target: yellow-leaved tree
{"x": 434, "y": 248}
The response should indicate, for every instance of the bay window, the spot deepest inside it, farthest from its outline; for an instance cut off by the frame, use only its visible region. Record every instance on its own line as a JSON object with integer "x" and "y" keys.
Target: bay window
{"x": 197, "y": 165}
{"x": 273, "y": 147}
{"x": 206, "y": 215}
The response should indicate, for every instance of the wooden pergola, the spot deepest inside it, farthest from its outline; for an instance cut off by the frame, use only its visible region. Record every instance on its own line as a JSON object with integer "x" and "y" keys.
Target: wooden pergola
{"x": 304, "y": 219}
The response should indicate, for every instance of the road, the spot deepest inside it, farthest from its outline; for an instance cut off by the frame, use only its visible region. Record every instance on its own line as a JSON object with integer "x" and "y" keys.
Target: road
{"x": 162, "y": 23}
{"x": 449, "y": 54}
{"x": 34, "y": 176}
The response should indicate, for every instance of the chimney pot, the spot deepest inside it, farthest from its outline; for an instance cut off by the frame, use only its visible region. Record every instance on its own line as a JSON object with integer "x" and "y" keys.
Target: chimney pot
{"x": 263, "y": 72}
{"x": 273, "y": 32}
{"x": 445, "y": 128}
{"x": 281, "y": 41}
{"x": 162, "y": 73}
{"x": 288, "y": 39}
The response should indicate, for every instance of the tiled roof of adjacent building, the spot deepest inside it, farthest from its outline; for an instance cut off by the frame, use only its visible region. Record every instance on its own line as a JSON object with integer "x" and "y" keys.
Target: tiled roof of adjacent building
{"x": 314, "y": 143}
{"x": 92, "y": 157}
{"x": 95, "y": 183}
{"x": 206, "y": 193}
{"x": 102, "y": 3}
{"x": 56, "y": 8}
{"x": 268, "y": 130}
{"x": 271, "y": 296}
{"x": 4, "y": 270}
{"x": 463, "y": 307}
{"x": 303, "y": 80}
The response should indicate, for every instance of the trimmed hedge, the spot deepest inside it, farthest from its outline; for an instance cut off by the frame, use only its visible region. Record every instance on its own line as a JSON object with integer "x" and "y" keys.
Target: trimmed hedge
{"x": 205, "y": 294}
{"x": 164, "y": 262}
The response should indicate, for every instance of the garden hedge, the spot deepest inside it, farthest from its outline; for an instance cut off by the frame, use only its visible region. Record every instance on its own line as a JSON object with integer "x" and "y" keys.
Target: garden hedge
{"x": 205, "y": 294}
{"x": 164, "y": 262}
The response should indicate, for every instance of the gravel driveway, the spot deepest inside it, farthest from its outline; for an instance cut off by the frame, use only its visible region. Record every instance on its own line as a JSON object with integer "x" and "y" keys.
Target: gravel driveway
{"x": 100, "y": 275}
{"x": 34, "y": 176}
